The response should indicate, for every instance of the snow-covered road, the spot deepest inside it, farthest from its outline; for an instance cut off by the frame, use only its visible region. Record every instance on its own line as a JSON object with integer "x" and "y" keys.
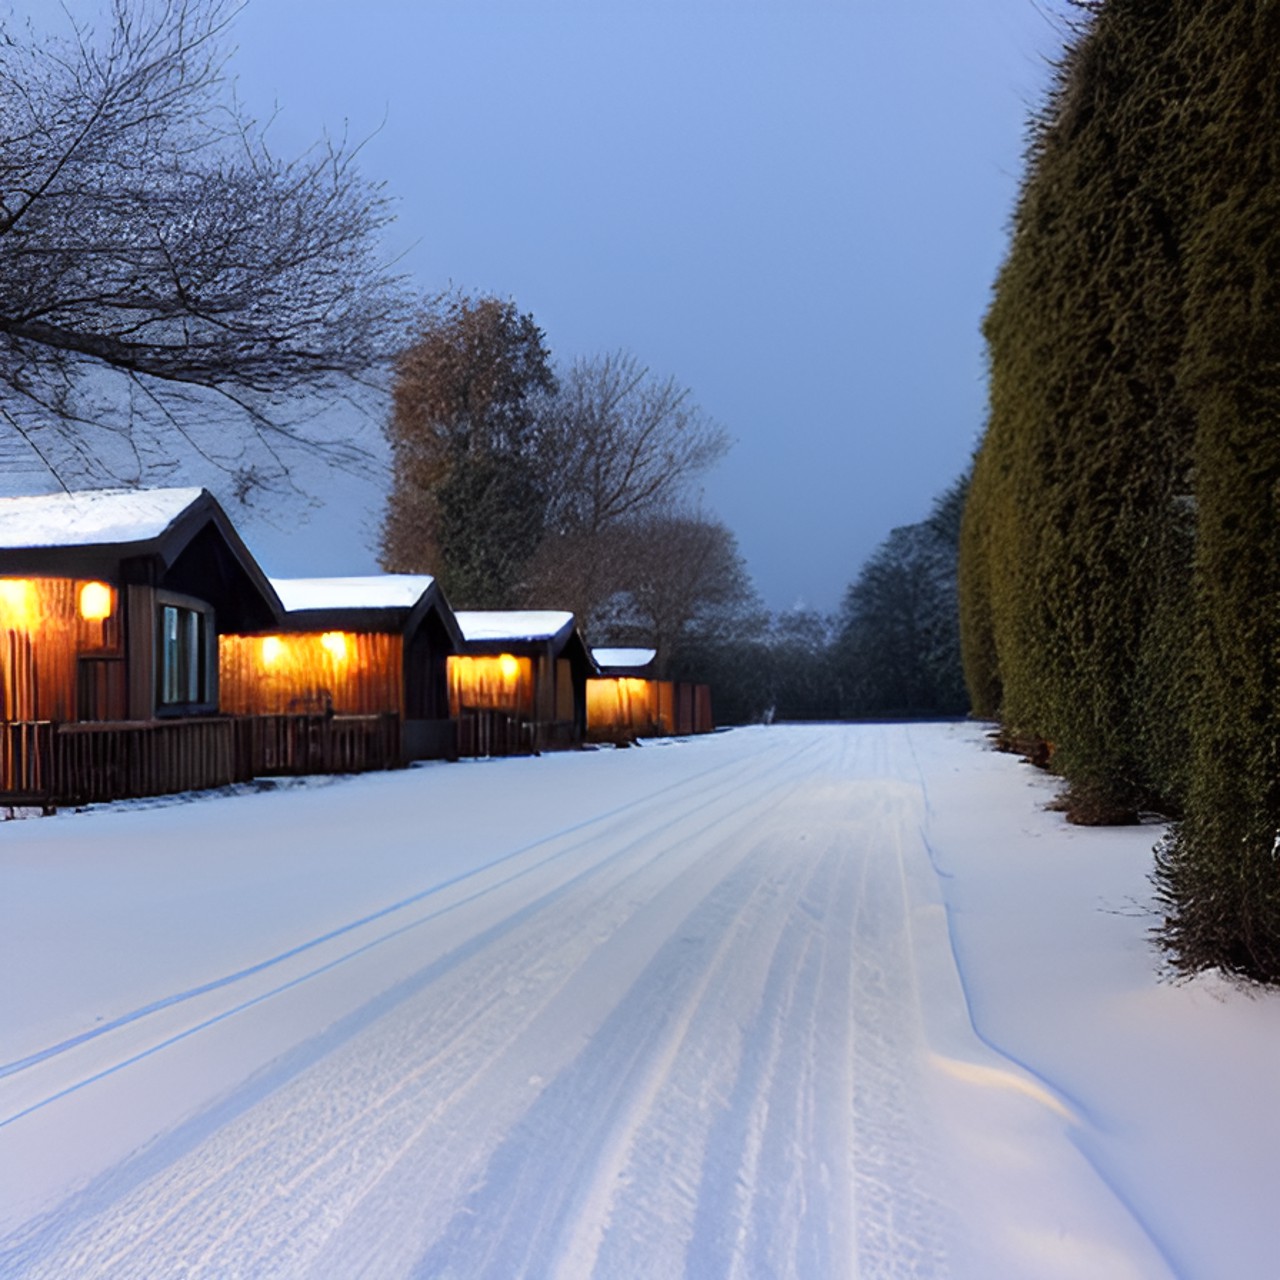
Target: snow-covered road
{"x": 688, "y": 1010}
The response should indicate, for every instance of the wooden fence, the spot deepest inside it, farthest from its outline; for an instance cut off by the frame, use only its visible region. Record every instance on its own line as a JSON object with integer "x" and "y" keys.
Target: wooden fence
{"x": 484, "y": 731}
{"x": 122, "y": 759}
{"x": 47, "y": 764}
{"x": 42, "y": 762}
{"x": 26, "y": 760}
{"x": 284, "y": 744}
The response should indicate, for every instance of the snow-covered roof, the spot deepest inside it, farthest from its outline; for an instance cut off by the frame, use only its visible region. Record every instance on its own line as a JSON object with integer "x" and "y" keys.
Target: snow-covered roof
{"x": 512, "y": 624}
{"x": 606, "y": 658}
{"x": 375, "y": 591}
{"x": 91, "y": 518}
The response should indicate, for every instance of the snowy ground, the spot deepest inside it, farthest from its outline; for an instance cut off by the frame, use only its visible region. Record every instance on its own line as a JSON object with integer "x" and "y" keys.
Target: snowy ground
{"x": 788, "y": 1002}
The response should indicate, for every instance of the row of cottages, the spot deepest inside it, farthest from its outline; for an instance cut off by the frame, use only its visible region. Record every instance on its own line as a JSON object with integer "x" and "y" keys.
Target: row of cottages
{"x": 143, "y": 651}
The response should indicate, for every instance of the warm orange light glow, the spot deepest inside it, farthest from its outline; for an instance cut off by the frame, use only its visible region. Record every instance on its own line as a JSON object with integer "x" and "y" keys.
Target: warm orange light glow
{"x": 503, "y": 683}
{"x": 96, "y": 601}
{"x": 628, "y": 704}
{"x": 335, "y": 645}
{"x": 46, "y": 626}
{"x": 311, "y": 672}
{"x": 19, "y": 606}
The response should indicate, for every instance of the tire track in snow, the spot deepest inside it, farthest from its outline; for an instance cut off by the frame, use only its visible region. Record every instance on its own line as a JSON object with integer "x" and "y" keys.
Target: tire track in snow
{"x": 54, "y": 1080}
{"x": 590, "y": 829}
{"x": 530, "y": 1183}
{"x": 170, "y": 1205}
{"x": 555, "y": 1173}
{"x": 901, "y": 1221}
{"x": 637, "y": 1114}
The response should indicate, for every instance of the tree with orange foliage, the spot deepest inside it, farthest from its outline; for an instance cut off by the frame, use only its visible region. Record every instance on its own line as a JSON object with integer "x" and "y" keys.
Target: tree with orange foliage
{"x": 467, "y": 501}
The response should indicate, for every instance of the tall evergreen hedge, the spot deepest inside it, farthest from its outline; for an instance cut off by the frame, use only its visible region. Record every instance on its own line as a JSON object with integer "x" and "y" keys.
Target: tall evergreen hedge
{"x": 1220, "y": 873}
{"x": 1119, "y": 559}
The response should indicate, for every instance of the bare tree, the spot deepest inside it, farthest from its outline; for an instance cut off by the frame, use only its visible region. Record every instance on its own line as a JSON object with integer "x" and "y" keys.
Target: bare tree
{"x": 161, "y": 270}
{"x": 683, "y": 578}
{"x": 619, "y": 450}
{"x": 620, "y": 443}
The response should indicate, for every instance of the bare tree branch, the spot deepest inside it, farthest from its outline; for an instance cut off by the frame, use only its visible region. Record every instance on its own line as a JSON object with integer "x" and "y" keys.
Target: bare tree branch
{"x": 620, "y": 443}
{"x": 148, "y": 235}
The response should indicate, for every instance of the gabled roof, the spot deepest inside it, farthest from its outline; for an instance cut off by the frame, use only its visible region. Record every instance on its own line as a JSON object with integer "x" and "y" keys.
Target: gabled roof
{"x": 493, "y": 630}
{"x": 376, "y": 602}
{"x": 180, "y": 540}
{"x": 93, "y": 518}
{"x": 514, "y": 624}
{"x": 623, "y": 660}
{"x": 375, "y": 591}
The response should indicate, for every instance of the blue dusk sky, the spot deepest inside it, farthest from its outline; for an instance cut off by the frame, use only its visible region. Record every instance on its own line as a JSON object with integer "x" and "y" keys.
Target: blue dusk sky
{"x": 796, "y": 208}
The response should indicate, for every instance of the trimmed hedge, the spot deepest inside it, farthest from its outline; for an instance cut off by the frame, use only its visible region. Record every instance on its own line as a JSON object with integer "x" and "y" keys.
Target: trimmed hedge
{"x": 1119, "y": 592}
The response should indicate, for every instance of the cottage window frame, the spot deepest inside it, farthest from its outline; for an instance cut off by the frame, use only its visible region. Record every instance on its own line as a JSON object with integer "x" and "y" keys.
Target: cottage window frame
{"x": 186, "y": 656}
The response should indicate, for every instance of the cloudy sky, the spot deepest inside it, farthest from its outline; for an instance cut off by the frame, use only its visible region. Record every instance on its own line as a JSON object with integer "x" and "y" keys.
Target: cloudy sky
{"x": 794, "y": 207}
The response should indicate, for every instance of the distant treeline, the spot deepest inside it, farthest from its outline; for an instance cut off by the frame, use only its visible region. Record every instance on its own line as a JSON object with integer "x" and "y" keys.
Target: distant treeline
{"x": 1120, "y": 557}
{"x": 893, "y": 649}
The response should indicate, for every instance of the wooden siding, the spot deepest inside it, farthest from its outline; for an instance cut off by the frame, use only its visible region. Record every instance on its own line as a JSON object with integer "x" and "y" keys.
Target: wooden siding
{"x": 500, "y": 682}
{"x": 339, "y": 672}
{"x": 140, "y": 643}
{"x": 43, "y": 643}
{"x": 565, "y": 709}
{"x": 621, "y": 707}
{"x": 627, "y": 706}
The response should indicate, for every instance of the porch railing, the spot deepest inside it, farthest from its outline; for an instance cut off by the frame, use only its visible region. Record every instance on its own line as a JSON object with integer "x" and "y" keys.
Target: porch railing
{"x": 26, "y": 760}
{"x": 122, "y": 759}
{"x": 483, "y": 731}
{"x": 49, "y": 764}
{"x": 292, "y": 744}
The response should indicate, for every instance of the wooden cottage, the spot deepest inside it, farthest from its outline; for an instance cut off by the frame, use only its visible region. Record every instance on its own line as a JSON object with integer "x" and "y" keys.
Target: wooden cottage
{"x": 111, "y": 603}
{"x": 519, "y": 682}
{"x": 348, "y": 650}
{"x": 625, "y": 701}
